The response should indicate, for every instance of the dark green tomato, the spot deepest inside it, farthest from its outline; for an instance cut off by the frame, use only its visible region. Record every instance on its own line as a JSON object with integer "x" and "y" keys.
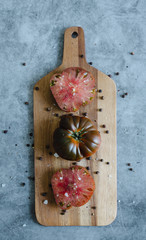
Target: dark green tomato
{"x": 76, "y": 138}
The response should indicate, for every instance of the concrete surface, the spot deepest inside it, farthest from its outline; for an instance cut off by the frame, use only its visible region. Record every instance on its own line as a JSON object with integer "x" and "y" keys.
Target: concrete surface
{"x": 32, "y": 32}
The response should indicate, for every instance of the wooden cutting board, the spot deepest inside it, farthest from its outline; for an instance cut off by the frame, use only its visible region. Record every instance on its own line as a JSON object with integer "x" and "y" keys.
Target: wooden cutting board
{"x": 101, "y": 111}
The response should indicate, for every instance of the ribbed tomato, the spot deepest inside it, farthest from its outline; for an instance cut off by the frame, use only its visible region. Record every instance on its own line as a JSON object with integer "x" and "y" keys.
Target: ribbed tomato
{"x": 76, "y": 138}
{"x": 72, "y": 187}
{"x": 72, "y": 88}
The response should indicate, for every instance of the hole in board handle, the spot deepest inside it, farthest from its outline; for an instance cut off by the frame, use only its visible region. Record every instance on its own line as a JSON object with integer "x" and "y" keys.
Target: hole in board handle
{"x": 74, "y": 35}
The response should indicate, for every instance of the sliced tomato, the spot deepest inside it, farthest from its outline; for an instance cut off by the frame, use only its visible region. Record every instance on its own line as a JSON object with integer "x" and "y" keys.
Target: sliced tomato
{"x": 72, "y": 187}
{"x": 73, "y": 88}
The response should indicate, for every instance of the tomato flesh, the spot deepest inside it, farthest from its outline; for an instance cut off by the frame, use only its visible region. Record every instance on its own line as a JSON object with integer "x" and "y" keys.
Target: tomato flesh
{"x": 72, "y": 187}
{"x": 72, "y": 88}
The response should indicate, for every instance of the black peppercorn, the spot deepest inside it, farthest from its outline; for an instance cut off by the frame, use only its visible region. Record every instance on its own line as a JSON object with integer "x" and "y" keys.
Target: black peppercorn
{"x": 62, "y": 213}
{"x": 84, "y": 114}
{"x": 93, "y": 207}
{"x": 63, "y": 210}
{"x": 44, "y": 194}
{"x": 130, "y": 169}
{"x": 22, "y": 184}
{"x": 5, "y": 131}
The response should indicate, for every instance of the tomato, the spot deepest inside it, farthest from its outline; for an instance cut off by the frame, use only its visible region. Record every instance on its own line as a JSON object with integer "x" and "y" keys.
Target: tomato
{"x": 72, "y": 187}
{"x": 73, "y": 88}
{"x": 76, "y": 138}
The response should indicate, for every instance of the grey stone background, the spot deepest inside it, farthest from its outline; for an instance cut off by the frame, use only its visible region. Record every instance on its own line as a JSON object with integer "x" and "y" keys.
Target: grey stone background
{"x": 32, "y": 32}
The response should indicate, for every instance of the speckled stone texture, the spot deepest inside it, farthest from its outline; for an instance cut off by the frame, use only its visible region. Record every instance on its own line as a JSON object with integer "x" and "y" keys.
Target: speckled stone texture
{"x": 32, "y": 33}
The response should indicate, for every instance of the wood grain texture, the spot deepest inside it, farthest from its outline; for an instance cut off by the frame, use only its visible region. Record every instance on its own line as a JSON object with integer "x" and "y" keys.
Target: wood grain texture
{"x": 105, "y": 195}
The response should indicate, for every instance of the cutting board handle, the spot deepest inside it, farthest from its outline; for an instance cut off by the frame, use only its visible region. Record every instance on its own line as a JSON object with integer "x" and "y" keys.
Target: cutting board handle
{"x": 74, "y": 47}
